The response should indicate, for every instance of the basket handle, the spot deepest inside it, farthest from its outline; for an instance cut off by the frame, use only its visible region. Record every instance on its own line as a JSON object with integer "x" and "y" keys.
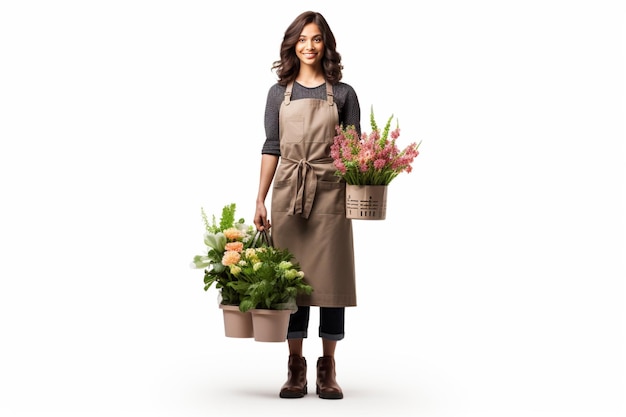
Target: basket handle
{"x": 262, "y": 238}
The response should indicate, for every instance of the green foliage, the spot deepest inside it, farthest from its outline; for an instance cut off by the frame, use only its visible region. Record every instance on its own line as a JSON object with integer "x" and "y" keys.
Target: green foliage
{"x": 373, "y": 119}
{"x": 383, "y": 138}
{"x": 257, "y": 277}
{"x": 227, "y": 219}
{"x": 269, "y": 278}
{"x": 215, "y": 273}
{"x": 222, "y": 280}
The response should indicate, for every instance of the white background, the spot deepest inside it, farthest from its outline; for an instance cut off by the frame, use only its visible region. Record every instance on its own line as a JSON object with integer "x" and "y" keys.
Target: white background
{"x": 495, "y": 287}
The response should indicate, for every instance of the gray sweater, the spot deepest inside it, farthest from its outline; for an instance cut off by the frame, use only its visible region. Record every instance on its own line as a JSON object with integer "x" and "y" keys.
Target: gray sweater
{"x": 344, "y": 96}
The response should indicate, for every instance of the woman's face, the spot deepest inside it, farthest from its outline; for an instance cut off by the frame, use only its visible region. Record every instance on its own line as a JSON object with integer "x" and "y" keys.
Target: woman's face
{"x": 310, "y": 46}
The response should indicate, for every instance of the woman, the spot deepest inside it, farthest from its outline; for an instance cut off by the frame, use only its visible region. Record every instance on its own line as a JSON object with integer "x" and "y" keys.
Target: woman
{"x": 308, "y": 201}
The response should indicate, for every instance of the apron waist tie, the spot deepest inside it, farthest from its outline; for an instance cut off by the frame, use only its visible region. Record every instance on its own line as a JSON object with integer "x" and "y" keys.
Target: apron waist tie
{"x": 304, "y": 187}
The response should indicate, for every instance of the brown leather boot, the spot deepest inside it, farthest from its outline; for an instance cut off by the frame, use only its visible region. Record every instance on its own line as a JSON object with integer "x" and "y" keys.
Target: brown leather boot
{"x": 327, "y": 387}
{"x": 295, "y": 387}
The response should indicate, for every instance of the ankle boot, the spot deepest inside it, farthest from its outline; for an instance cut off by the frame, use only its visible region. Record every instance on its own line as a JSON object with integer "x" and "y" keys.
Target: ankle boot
{"x": 327, "y": 387}
{"x": 295, "y": 387}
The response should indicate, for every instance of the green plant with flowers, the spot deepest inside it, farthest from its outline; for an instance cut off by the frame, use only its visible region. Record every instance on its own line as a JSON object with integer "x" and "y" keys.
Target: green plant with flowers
{"x": 371, "y": 159}
{"x": 248, "y": 271}
{"x": 221, "y": 240}
{"x": 267, "y": 278}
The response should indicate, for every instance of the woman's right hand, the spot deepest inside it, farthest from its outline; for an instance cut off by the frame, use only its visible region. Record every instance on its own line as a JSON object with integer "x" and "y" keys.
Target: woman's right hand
{"x": 268, "y": 168}
{"x": 260, "y": 217}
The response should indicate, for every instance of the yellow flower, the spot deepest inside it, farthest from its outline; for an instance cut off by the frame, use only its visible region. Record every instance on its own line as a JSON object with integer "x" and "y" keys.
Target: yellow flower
{"x": 284, "y": 265}
{"x": 235, "y": 270}
{"x": 250, "y": 253}
{"x": 291, "y": 274}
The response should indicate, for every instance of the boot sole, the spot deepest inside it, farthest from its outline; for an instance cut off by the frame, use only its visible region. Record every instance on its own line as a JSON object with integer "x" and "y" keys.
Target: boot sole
{"x": 329, "y": 395}
{"x": 293, "y": 394}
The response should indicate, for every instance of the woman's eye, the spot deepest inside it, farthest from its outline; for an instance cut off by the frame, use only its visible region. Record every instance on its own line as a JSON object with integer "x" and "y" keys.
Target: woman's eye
{"x": 316, "y": 40}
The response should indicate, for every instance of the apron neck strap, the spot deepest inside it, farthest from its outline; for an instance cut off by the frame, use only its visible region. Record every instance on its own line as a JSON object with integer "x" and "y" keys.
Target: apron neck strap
{"x": 288, "y": 93}
{"x": 329, "y": 94}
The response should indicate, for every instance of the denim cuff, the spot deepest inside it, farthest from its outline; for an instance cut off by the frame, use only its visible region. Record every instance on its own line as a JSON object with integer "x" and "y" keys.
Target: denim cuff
{"x": 297, "y": 335}
{"x": 332, "y": 336}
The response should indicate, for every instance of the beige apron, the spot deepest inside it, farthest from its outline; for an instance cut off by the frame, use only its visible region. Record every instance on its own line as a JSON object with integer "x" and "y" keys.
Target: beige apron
{"x": 308, "y": 202}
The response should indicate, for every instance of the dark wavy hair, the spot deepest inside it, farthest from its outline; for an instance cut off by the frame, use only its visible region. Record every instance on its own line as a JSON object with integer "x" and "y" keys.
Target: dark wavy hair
{"x": 288, "y": 66}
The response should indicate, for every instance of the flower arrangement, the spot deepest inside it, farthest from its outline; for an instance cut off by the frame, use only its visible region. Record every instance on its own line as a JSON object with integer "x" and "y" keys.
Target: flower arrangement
{"x": 248, "y": 273}
{"x": 224, "y": 241}
{"x": 268, "y": 278}
{"x": 371, "y": 159}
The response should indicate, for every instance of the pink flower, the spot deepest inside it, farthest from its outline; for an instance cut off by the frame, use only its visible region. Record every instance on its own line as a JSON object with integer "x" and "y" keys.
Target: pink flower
{"x": 370, "y": 158}
{"x": 340, "y": 166}
{"x": 379, "y": 163}
{"x": 365, "y": 156}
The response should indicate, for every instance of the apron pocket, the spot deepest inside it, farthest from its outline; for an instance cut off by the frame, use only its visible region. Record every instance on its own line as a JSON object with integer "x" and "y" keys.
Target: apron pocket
{"x": 281, "y": 195}
{"x": 330, "y": 198}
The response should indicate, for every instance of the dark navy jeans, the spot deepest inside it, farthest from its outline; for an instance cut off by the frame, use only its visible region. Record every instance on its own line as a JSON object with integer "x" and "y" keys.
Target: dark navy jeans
{"x": 332, "y": 321}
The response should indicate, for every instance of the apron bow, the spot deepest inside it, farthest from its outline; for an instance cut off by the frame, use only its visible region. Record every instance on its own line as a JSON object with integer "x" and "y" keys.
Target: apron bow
{"x": 304, "y": 186}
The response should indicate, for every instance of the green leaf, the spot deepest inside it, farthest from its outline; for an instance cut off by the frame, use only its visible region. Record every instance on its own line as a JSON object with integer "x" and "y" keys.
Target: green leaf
{"x": 218, "y": 267}
{"x": 228, "y": 216}
{"x": 372, "y": 119}
{"x": 215, "y": 241}
{"x": 383, "y": 138}
{"x": 201, "y": 262}
{"x": 208, "y": 281}
{"x": 246, "y": 305}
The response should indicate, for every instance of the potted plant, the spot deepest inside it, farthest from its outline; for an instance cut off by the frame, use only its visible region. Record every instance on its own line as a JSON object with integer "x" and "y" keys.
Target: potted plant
{"x": 269, "y": 280}
{"x": 368, "y": 163}
{"x": 223, "y": 241}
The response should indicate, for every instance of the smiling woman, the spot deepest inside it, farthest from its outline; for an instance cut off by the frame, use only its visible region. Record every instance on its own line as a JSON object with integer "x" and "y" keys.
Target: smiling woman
{"x": 121, "y": 118}
{"x": 302, "y": 111}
